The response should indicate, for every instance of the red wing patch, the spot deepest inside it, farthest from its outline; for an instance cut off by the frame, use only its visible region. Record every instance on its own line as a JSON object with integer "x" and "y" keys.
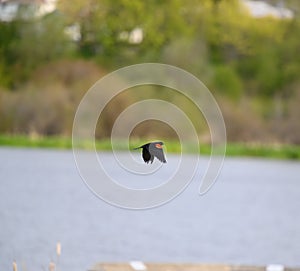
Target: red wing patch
{"x": 158, "y": 146}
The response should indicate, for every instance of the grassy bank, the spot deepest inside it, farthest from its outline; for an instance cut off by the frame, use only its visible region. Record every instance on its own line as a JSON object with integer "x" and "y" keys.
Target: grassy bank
{"x": 233, "y": 149}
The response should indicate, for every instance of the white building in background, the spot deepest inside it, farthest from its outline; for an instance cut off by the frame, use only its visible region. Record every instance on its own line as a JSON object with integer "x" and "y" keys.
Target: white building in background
{"x": 73, "y": 32}
{"x": 134, "y": 36}
{"x": 261, "y": 9}
{"x": 9, "y": 9}
{"x": 46, "y": 7}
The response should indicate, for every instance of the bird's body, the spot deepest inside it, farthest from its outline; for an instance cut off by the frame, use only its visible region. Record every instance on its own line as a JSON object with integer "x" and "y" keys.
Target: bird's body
{"x": 151, "y": 150}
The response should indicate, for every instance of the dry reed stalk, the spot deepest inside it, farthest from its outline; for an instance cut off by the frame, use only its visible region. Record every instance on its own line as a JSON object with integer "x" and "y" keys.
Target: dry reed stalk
{"x": 15, "y": 267}
{"x": 52, "y": 266}
{"x": 58, "y": 249}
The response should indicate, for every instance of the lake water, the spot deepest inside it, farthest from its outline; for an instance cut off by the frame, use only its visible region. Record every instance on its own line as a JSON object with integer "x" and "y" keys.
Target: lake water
{"x": 250, "y": 216}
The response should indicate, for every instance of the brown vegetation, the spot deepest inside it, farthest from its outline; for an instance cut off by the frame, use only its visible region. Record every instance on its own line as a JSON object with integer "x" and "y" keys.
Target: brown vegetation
{"x": 47, "y": 107}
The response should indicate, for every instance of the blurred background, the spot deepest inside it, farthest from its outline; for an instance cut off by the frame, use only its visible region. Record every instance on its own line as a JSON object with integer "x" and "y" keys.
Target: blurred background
{"x": 246, "y": 52}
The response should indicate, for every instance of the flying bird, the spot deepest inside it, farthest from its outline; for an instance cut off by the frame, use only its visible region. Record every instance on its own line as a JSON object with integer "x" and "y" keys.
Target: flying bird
{"x": 151, "y": 150}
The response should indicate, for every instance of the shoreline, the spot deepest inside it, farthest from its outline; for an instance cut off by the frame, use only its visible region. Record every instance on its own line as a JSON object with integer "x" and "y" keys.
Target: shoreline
{"x": 272, "y": 151}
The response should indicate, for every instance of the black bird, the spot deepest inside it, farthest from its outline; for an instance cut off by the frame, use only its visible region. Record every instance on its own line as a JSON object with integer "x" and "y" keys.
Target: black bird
{"x": 152, "y": 149}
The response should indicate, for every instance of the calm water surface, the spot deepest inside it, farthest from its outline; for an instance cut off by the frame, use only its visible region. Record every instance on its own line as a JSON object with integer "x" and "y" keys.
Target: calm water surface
{"x": 250, "y": 216}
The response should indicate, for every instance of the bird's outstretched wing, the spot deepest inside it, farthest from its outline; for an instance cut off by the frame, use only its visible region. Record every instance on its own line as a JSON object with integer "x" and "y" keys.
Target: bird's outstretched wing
{"x": 147, "y": 156}
{"x": 157, "y": 152}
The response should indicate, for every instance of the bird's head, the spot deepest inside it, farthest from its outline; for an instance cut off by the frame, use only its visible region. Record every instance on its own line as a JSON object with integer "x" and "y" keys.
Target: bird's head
{"x": 159, "y": 145}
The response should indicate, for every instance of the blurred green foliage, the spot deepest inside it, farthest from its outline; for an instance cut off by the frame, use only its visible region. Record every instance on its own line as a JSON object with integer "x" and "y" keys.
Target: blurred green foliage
{"x": 227, "y": 33}
{"x": 208, "y": 37}
{"x": 27, "y": 44}
{"x": 246, "y": 62}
